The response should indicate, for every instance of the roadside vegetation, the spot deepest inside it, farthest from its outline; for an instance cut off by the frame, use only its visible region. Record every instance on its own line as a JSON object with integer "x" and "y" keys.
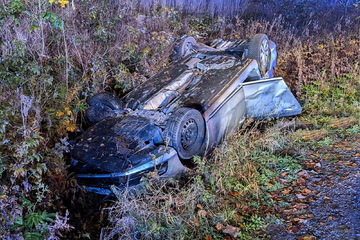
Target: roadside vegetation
{"x": 57, "y": 54}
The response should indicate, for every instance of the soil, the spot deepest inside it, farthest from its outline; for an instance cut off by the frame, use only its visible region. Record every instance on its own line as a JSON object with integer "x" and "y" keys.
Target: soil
{"x": 324, "y": 202}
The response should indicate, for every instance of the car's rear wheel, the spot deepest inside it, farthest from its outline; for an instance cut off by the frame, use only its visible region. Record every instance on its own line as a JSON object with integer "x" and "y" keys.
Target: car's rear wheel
{"x": 102, "y": 105}
{"x": 260, "y": 51}
{"x": 183, "y": 48}
{"x": 186, "y": 132}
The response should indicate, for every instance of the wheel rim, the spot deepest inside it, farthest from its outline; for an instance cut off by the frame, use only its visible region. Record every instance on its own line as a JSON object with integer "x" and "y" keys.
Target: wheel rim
{"x": 186, "y": 48}
{"x": 189, "y": 134}
{"x": 264, "y": 54}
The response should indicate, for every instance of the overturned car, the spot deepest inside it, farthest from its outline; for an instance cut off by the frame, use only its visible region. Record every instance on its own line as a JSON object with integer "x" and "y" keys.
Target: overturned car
{"x": 184, "y": 110}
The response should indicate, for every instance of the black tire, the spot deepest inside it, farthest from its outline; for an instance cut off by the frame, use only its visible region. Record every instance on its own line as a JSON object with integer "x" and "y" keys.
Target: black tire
{"x": 186, "y": 132}
{"x": 102, "y": 105}
{"x": 182, "y": 48}
{"x": 259, "y": 50}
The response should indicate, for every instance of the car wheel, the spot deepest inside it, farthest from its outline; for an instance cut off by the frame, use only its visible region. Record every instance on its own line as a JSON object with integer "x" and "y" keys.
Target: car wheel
{"x": 186, "y": 132}
{"x": 102, "y": 105}
{"x": 183, "y": 48}
{"x": 259, "y": 50}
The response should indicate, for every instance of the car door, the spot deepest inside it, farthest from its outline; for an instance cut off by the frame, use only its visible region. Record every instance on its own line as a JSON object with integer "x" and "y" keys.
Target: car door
{"x": 228, "y": 115}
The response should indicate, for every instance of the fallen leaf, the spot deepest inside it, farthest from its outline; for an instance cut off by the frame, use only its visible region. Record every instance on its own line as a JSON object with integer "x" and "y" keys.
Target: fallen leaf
{"x": 199, "y": 206}
{"x": 202, "y": 213}
{"x": 208, "y": 237}
{"x": 300, "y": 180}
{"x": 288, "y": 211}
{"x": 357, "y": 154}
{"x": 330, "y": 218}
{"x": 301, "y": 205}
{"x": 234, "y": 194}
{"x": 232, "y": 231}
{"x": 302, "y": 220}
{"x": 326, "y": 197}
{"x": 219, "y": 226}
{"x": 306, "y": 191}
{"x": 322, "y": 223}
{"x": 285, "y": 191}
{"x": 238, "y": 216}
{"x": 300, "y": 196}
{"x": 246, "y": 209}
{"x": 306, "y": 238}
{"x": 303, "y": 173}
{"x": 293, "y": 229}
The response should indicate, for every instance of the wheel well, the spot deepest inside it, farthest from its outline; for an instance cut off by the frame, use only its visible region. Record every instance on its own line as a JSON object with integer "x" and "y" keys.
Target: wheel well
{"x": 196, "y": 106}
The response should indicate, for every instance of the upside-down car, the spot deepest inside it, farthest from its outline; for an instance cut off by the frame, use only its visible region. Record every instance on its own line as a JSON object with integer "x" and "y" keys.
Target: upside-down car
{"x": 184, "y": 110}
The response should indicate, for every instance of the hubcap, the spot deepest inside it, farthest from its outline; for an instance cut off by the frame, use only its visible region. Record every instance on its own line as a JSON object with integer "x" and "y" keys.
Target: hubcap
{"x": 264, "y": 54}
{"x": 189, "y": 134}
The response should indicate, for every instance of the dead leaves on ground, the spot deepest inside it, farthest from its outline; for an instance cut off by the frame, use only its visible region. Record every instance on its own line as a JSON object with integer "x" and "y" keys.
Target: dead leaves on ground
{"x": 307, "y": 238}
{"x": 323, "y": 168}
{"x": 232, "y": 231}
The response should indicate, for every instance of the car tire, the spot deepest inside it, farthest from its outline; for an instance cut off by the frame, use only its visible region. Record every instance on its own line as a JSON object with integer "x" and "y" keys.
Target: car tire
{"x": 259, "y": 50}
{"x": 186, "y": 132}
{"x": 182, "y": 48}
{"x": 102, "y": 105}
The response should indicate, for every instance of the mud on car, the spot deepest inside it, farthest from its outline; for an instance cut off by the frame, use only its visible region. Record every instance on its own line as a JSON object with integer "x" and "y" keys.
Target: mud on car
{"x": 184, "y": 110}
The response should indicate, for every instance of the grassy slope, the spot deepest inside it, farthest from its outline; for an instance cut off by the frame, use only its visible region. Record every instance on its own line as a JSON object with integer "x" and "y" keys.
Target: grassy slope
{"x": 54, "y": 58}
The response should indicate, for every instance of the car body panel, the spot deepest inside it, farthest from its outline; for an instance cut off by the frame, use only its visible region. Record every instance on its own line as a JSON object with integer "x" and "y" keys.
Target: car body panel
{"x": 167, "y": 154}
{"x": 270, "y": 98}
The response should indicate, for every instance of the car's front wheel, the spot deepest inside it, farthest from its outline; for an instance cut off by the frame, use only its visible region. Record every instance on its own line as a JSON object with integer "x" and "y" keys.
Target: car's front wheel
{"x": 102, "y": 105}
{"x": 260, "y": 51}
{"x": 183, "y": 48}
{"x": 186, "y": 132}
